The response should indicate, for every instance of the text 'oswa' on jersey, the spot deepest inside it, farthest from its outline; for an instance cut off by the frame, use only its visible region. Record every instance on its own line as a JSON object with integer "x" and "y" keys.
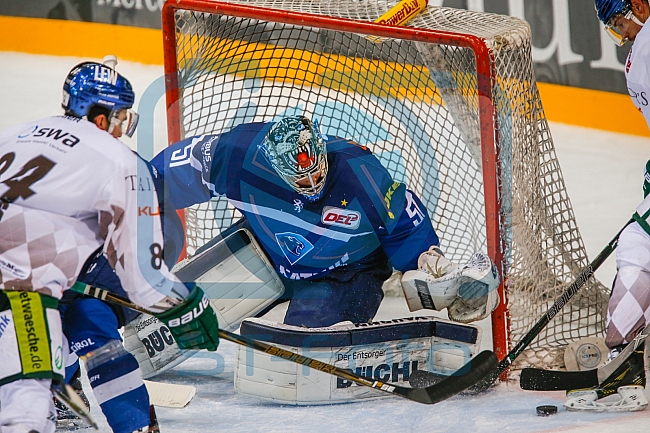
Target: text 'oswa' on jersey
{"x": 67, "y": 188}
{"x": 361, "y": 209}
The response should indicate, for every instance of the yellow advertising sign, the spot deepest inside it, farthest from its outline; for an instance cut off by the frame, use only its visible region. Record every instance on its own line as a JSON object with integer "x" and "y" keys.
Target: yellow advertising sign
{"x": 402, "y": 12}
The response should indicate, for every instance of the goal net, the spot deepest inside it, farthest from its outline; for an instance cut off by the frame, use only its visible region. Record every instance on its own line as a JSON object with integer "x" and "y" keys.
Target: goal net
{"x": 449, "y": 105}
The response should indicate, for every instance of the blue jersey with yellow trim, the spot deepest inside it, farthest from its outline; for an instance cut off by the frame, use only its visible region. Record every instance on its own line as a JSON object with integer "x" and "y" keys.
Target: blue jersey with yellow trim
{"x": 362, "y": 211}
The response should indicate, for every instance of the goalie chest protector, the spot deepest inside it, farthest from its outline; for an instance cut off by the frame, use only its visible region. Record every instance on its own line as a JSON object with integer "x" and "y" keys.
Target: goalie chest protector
{"x": 388, "y": 351}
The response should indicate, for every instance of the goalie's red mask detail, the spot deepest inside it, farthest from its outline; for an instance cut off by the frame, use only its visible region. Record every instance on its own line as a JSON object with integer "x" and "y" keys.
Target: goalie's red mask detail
{"x": 303, "y": 160}
{"x": 296, "y": 149}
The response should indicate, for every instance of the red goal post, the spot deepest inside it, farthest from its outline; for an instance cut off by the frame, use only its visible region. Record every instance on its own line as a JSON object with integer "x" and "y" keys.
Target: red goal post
{"x": 186, "y": 21}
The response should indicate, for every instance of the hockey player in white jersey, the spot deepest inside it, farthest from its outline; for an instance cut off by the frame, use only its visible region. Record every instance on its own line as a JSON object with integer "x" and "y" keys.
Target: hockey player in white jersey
{"x": 629, "y": 305}
{"x": 628, "y": 311}
{"x": 67, "y": 188}
{"x": 624, "y": 21}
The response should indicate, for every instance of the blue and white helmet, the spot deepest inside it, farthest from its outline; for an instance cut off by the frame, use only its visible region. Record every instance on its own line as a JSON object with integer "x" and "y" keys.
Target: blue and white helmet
{"x": 608, "y": 11}
{"x": 297, "y": 152}
{"x": 89, "y": 84}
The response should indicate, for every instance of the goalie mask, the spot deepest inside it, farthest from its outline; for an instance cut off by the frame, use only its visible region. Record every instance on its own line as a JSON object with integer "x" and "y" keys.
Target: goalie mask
{"x": 297, "y": 152}
{"x": 89, "y": 84}
{"x": 608, "y": 11}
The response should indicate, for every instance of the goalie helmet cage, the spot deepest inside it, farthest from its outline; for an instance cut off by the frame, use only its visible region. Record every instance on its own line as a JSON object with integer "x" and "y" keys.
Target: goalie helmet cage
{"x": 449, "y": 105}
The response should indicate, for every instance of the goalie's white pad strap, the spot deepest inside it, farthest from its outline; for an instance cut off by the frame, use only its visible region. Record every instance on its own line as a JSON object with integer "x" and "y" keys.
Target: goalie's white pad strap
{"x": 631, "y": 399}
{"x": 386, "y": 351}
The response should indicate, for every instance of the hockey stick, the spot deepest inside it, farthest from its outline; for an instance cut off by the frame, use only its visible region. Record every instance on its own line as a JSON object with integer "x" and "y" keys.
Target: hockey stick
{"x": 473, "y": 371}
{"x": 168, "y": 394}
{"x": 537, "y": 379}
{"x": 423, "y": 378}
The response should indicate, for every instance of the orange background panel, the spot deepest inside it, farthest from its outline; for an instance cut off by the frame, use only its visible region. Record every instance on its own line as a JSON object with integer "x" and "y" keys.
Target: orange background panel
{"x": 80, "y": 39}
{"x": 575, "y": 106}
{"x": 592, "y": 109}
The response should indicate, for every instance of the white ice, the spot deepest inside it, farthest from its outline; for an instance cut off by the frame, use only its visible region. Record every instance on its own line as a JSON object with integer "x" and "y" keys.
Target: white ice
{"x": 603, "y": 173}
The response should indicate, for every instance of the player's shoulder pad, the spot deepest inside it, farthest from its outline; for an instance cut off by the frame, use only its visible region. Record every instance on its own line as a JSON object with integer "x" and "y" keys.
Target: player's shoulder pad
{"x": 241, "y": 136}
{"x": 342, "y": 150}
{"x": 93, "y": 139}
{"x": 346, "y": 146}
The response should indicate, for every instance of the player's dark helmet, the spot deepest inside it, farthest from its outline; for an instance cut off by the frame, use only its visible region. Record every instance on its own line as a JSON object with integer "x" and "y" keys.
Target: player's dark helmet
{"x": 89, "y": 84}
{"x": 608, "y": 10}
{"x": 297, "y": 151}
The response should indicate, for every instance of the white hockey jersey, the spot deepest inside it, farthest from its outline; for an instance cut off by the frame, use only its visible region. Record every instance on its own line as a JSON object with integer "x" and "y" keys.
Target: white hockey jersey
{"x": 637, "y": 72}
{"x": 66, "y": 188}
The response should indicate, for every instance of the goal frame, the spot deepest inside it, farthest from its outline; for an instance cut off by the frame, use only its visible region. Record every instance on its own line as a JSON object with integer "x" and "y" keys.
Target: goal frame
{"x": 486, "y": 108}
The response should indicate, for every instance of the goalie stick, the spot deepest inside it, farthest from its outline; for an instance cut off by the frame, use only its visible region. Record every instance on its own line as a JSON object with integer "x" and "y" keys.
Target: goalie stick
{"x": 468, "y": 375}
{"x": 421, "y": 378}
{"x": 537, "y": 379}
{"x": 169, "y": 394}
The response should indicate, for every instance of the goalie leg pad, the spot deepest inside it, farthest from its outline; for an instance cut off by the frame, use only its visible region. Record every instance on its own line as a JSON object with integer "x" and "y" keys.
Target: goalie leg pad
{"x": 151, "y": 343}
{"x": 385, "y": 351}
{"x": 240, "y": 282}
{"x": 585, "y": 354}
{"x": 236, "y": 275}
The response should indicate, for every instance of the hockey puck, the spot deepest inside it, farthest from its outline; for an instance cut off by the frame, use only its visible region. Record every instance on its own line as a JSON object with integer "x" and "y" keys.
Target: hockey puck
{"x": 546, "y": 410}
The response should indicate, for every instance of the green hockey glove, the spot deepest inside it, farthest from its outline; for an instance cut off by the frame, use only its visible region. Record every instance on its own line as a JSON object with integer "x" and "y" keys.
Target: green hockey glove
{"x": 193, "y": 323}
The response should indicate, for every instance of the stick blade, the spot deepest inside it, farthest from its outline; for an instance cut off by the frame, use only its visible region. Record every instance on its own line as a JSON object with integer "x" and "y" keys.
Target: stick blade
{"x": 471, "y": 373}
{"x": 169, "y": 394}
{"x": 536, "y": 379}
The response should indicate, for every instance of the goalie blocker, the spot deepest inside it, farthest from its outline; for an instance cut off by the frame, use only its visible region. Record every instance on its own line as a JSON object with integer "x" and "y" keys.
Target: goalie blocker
{"x": 240, "y": 282}
{"x": 385, "y": 351}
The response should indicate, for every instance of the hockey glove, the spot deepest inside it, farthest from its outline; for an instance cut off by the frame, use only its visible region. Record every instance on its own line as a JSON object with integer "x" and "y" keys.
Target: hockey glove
{"x": 477, "y": 293}
{"x": 435, "y": 263}
{"x": 193, "y": 323}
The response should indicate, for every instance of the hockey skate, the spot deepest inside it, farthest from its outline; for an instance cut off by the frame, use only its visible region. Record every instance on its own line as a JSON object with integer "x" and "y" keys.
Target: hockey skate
{"x": 631, "y": 399}
{"x": 66, "y": 419}
{"x": 628, "y": 381}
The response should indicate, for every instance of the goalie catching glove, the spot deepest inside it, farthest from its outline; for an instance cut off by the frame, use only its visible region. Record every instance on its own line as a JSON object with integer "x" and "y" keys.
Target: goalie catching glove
{"x": 468, "y": 292}
{"x": 193, "y": 323}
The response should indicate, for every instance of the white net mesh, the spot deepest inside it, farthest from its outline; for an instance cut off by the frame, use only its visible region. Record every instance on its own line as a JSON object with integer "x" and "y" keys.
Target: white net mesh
{"x": 415, "y": 105}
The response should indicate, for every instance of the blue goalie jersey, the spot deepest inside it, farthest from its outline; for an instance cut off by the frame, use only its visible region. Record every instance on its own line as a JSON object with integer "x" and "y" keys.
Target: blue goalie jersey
{"x": 361, "y": 212}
